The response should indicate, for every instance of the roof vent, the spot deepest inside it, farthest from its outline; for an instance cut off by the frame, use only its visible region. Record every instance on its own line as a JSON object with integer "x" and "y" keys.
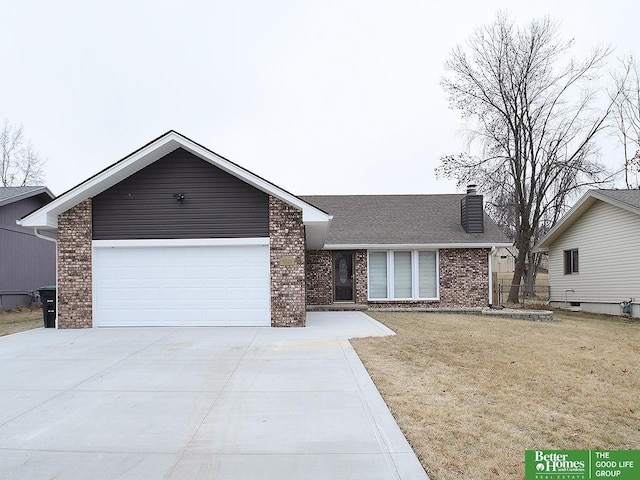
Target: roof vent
{"x": 471, "y": 211}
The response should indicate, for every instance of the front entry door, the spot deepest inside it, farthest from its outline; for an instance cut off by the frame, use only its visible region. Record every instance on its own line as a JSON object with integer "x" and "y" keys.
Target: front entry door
{"x": 343, "y": 276}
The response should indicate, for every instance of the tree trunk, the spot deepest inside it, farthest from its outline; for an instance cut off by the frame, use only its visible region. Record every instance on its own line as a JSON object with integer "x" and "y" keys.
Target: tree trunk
{"x": 514, "y": 290}
{"x": 532, "y": 273}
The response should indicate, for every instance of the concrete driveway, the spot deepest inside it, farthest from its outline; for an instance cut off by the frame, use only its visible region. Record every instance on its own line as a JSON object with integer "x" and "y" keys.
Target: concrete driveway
{"x": 197, "y": 403}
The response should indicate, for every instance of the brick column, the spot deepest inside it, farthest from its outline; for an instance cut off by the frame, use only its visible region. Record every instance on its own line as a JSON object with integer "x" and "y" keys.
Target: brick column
{"x": 287, "y": 252}
{"x": 360, "y": 273}
{"x": 75, "y": 234}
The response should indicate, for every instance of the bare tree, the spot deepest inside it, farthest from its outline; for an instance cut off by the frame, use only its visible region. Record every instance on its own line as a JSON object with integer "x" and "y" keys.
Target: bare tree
{"x": 21, "y": 163}
{"x": 531, "y": 123}
{"x": 626, "y": 115}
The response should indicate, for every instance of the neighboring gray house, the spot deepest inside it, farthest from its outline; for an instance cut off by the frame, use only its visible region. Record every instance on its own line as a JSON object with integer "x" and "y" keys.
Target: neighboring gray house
{"x": 174, "y": 234}
{"x": 26, "y": 261}
{"x": 594, "y": 253}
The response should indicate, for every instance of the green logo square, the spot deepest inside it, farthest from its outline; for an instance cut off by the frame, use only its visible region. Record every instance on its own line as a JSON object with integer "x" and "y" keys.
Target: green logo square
{"x": 582, "y": 464}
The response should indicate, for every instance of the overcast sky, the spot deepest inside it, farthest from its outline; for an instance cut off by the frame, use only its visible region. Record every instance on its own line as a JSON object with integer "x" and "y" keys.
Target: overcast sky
{"x": 319, "y": 97}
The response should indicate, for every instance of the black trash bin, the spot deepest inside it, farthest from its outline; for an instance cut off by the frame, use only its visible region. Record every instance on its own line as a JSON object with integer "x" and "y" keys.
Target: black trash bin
{"x": 48, "y": 299}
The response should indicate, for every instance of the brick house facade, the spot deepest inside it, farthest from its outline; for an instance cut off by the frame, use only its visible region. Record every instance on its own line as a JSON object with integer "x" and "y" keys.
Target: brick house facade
{"x": 272, "y": 250}
{"x": 319, "y": 277}
{"x": 463, "y": 275}
{"x": 287, "y": 266}
{"x": 464, "y": 281}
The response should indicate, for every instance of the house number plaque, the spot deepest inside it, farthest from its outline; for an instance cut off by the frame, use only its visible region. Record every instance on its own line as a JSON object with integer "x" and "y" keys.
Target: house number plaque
{"x": 287, "y": 261}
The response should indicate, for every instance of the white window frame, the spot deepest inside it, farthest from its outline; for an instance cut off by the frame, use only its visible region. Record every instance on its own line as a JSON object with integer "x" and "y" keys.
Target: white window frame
{"x": 415, "y": 275}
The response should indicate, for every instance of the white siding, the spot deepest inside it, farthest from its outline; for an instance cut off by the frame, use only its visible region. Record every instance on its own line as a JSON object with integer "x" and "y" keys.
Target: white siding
{"x": 608, "y": 241}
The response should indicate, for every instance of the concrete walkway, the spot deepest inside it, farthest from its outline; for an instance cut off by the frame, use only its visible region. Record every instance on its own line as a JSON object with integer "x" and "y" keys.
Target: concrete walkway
{"x": 197, "y": 403}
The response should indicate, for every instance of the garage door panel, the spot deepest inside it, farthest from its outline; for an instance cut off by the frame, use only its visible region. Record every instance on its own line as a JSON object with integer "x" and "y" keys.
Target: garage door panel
{"x": 181, "y": 285}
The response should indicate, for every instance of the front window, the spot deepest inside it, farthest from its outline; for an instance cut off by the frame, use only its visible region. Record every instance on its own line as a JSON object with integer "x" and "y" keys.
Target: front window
{"x": 377, "y": 275}
{"x": 428, "y": 275}
{"x": 402, "y": 281}
{"x": 570, "y": 261}
{"x": 403, "y": 275}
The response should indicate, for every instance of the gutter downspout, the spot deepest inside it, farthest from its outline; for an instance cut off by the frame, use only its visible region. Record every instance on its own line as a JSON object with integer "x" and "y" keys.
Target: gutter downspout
{"x": 44, "y": 237}
{"x": 491, "y": 252}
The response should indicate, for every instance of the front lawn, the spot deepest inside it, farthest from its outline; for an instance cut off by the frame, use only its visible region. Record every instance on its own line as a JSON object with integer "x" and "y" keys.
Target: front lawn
{"x": 20, "y": 319}
{"x": 472, "y": 393}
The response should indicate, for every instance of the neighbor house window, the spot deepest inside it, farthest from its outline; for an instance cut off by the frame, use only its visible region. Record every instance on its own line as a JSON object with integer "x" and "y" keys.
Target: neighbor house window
{"x": 403, "y": 275}
{"x": 570, "y": 261}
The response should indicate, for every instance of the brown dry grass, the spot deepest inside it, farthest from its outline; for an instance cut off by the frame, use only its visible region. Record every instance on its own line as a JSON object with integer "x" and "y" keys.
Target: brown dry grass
{"x": 19, "y": 320}
{"x": 472, "y": 393}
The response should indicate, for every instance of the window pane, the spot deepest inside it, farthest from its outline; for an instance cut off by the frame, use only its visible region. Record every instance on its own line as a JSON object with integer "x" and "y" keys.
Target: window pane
{"x": 570, "y": 261}
{"x": 402, "y": 275}
{"x": 377, "y": 274}
{"x": 427, "y": 274}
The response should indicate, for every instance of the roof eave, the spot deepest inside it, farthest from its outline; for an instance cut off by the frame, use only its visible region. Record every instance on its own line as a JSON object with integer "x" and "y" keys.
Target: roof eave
{"x": 29, "y": 194}
{"x": 576, "y": 211}
{"x": 316, "y": 233}
{"x": 46, "y": 217}
{"x": 411, "y": 246}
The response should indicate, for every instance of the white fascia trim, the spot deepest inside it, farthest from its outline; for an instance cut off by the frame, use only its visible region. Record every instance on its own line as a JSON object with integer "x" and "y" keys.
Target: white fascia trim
{"x": 605, "y": 198}
{"x": 309, "y": 212}
{"x": 576, "y": 211}
{"x": 47, "y": 216}
{"x": 24, "y": 195}
{"x": 565, "y": 222}
{"x": 412, "y": 246}
{"x": 189, "y": 242}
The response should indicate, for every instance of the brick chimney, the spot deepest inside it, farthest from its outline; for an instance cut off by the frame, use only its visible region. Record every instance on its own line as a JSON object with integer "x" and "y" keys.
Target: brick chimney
{"x": 471, "y": 211}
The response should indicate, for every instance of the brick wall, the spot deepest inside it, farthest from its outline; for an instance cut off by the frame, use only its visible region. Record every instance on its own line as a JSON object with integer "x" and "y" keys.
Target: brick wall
{"x": 288, "y": 297}
{"x": 74, "y": 267}
{"x": 464, "y": 281}
{"x": 360, "y": 277}
{"x": 318, "y": 277}
{"x": 464, "y": 277}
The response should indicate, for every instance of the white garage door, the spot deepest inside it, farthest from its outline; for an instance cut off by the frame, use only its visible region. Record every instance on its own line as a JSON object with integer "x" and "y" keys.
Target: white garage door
{"x": 145, "y": 283}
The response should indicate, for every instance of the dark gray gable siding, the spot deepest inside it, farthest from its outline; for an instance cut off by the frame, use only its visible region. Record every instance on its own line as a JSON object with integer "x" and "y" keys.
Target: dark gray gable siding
{"x": 216, "y": 204}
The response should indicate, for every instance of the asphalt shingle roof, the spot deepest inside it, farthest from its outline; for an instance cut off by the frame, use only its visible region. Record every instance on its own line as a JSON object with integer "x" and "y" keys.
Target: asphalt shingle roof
{"x": 630, "y": 197}
{"x": 400, "y": 219}
{"x": 9, "y": 192}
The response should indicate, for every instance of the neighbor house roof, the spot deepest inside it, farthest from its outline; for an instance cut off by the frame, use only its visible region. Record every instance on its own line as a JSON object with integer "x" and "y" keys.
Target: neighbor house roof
{"x": 13, "y": 194}
{"x": 46, "y": 218}
{"x": 401, "y": 220}
{"x": 625, "y": 199}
